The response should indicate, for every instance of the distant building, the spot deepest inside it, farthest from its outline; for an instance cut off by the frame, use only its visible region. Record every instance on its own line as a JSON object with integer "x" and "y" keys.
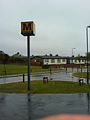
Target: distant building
{"x": 39, "y": 60}
{"x": 82, "y": 60}
{"x": 63, "y": 61}
{"x": 36, "y": 60}
{"x": 54, "y": 60}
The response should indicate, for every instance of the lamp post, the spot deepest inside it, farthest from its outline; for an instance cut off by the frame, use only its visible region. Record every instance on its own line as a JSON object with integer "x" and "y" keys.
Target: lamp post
{"x": 72, "y": 52}
{"x": 87, "y": 52}
{"x": 72, "y": 58}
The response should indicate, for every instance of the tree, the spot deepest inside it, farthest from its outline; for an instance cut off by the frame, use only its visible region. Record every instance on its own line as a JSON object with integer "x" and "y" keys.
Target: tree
{"x": 4, "y": 60}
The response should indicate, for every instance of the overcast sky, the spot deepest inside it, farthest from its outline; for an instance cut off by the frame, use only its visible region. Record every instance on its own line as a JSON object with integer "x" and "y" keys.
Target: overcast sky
{"x": 60, "y": 26}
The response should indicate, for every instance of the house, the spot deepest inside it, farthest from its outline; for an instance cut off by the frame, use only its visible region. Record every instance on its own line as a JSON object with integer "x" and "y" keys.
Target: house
{"x": 81, "y": 60}
{"x": 54, "y": 60}
{"x": 36, "y": 60}
{"x": 63, "y": 61}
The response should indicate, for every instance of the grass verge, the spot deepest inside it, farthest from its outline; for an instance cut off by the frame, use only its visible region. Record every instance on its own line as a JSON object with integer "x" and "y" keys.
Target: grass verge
{"x": 21, "y": 69}
{"x": 38, "y": 87}
{"x": 81, "y": 74}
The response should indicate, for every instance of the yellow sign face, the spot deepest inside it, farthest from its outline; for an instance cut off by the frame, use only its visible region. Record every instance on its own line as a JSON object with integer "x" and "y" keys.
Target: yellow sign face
{"x": 27, "y": 28}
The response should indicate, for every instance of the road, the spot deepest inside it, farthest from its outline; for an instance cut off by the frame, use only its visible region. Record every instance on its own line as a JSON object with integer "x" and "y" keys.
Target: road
{"x": 17, "y": 106}
{"x": 61, "y": 75}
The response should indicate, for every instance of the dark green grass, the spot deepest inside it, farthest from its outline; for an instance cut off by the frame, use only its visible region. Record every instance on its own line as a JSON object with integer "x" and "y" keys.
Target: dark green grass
{"x": 81, "y": 74}
{"x": 50, "y": 87}
{"x": 19, "y": 69}
{"x": 12, "y": 69}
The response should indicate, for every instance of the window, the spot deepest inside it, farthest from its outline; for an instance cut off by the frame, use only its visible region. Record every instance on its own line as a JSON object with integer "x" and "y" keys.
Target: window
{"x": 63, "y": 60}
{"x": 46, "y": 60}
{"x": 79, "y": 61}
{"x": 82, "y": 60}
{"x": 58, "y": 60}
{"x": 52, "y": 60}
{"x": 75, "y": 61}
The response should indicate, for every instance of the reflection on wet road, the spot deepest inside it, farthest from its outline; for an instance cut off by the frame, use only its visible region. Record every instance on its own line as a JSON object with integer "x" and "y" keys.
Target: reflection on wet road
{"x": 17, "y": 106}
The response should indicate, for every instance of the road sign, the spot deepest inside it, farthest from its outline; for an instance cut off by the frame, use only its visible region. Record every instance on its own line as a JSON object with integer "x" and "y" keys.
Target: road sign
{"x": 28, "y": 28}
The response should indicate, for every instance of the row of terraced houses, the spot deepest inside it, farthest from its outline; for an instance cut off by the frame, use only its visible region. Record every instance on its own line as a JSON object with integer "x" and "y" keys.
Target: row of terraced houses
{"x": 59, "y": 60}
{"x": 49, "y": 60}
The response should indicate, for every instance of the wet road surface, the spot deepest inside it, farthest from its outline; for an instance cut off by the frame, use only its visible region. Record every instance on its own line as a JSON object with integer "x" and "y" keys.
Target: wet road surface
{"x": 62, "y": 75}
{"x": 17, "y": 106}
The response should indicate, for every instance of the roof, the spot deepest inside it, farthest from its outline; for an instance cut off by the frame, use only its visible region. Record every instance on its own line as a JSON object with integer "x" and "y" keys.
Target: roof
{"x": 61, "y": 57}
{"x": 55, "y": 57}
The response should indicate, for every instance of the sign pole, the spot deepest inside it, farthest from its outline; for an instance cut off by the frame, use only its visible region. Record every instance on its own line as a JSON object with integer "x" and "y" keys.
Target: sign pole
{"x": 28, "y": 54}
{"x": 28, "y": 29}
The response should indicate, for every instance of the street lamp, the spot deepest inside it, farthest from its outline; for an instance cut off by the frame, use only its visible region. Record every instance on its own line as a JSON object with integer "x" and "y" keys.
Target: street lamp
{"x": 87, "y": 52}
{"x": 72, "y": 54}
{"x": 72, "y": 58}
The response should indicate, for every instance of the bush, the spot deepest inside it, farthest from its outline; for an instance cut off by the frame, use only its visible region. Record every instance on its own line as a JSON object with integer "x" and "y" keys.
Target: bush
{"x": 45, "y": 66}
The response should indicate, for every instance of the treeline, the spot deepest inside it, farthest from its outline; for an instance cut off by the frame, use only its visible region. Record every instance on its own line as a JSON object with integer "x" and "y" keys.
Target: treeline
{"x": 14, "y": 59}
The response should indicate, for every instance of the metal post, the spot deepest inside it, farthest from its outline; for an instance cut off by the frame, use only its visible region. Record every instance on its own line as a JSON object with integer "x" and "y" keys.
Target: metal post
{"x": 50, "y": 73}
{"x": 23, "y": 78}
{"x": 87, "y": 52}
{"x": 28, "y": 54}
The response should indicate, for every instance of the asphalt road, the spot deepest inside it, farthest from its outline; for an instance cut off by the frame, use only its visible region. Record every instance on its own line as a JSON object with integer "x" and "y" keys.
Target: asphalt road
{"x": 19, "y": 107}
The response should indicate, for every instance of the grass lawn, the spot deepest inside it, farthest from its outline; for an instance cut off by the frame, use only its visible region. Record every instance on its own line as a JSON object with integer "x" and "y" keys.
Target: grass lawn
{"x": 40, "y": 87}
{"x": 12, "y": 69}
{"x": 81, "y": 74}
{"x": 19, "y": 69}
